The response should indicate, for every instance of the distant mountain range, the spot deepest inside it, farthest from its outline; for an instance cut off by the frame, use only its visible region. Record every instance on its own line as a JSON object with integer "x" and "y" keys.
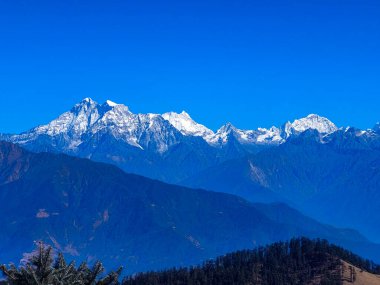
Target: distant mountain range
{"x": 93, "y": 210}
{"x": 170, "y": 147}
{"x": 330, "y": 173}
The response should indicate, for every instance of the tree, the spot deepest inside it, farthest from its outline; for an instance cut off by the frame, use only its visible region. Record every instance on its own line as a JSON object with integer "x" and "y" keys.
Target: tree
{"x": 41, "y": 268}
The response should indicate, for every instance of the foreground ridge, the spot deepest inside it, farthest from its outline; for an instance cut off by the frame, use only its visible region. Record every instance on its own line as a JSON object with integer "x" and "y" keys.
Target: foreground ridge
{"x": 299, "y": 261}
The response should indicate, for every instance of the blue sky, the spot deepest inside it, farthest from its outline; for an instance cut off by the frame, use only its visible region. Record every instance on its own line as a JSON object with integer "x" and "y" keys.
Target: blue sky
{"x": 253, "y": 63}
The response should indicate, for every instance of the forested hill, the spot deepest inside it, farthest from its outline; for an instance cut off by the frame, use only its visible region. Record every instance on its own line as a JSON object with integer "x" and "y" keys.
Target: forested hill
{"x": 299, "y": 261}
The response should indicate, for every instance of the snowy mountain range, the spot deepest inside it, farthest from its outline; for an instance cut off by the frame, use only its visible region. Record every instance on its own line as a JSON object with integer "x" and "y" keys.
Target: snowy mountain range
{"x": 144, "y": 131}
{"x": 88, "y": 118}
{"x": 309, "y": 163}
{"x": 187, "y": 126}
{"x": 156, "y": 144}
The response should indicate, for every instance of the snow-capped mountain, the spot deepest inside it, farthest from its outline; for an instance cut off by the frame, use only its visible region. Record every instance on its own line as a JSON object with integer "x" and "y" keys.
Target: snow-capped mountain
{"x": 145, "y": 144}
{"x": 171, "y": 146}
{"x": 88, "y": 119}
{"x": 261, "y": 136}
{"x": 154, "y": 131}
{"x": 274, "y": 135}
{"x": 311, "y": 122}
{"x": 187, "y": 126}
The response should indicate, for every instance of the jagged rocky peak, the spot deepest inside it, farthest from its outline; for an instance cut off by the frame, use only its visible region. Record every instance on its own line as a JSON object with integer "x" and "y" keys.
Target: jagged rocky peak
{"x": 227, "y": 128}
{"x": 80, "y": 119}
{"x": 77, "y": 120}
{"x": 311, "y": 122}
{"x": 85, "y": 106}
{"x": 227, "y": 131}
{"x": 154, "y": 131}
{"x": 260, "y": 136}
{"x": 87, "y": 101}
{"x": 274, "y": 135}
{"x": 270, "y": 136}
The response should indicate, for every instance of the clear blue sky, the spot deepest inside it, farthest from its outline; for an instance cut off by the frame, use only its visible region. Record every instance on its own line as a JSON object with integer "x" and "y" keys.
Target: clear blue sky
{"x": 254, "y": 63}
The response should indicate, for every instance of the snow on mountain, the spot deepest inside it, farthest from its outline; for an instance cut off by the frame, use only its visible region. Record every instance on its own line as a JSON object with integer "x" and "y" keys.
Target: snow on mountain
{"x": 76, "y": 121}
{"x": 155, "y": 132}
{"x": 311, "y": 122}
{"x": 273, "y": 135}
{"x": 187, "y": 126}
{"x": 169, "y": 147}
{"x": 222, "y": 135}
{"x": 70, "y": 126}
{"x": 111, "y": 104}
{"x": 259, "y": 136}
{"x": 88, "y": 118}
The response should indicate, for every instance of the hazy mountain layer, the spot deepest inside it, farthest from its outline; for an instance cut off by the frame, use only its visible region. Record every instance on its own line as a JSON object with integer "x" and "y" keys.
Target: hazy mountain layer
{"x": 336, "y": 181}
{"x": 93, "y": 210}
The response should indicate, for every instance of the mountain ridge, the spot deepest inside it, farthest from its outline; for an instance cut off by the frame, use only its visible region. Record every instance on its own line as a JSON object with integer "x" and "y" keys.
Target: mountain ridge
{"x": 88, "y": 114}
{"x": 175, "y": 152}
{"x": 170, "y": 147}
{"x": 339, "y": 174}
{"x": 94, "y": 210}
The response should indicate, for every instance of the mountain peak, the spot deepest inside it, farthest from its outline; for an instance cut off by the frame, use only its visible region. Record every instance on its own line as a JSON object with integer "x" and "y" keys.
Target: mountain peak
{"x": 311, "y": 122}
{"x": 228, "y": 127}
{"x": 185, "y": 114}
{"x": 186, "y": 125}
{"x": 87, "y": 100}
{"x": 223, "y": 134}
{"x": 85, "y": 104}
